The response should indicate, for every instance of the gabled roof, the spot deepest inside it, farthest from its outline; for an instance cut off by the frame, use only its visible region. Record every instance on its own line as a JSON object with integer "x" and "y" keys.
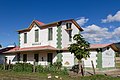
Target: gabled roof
{"x": 38, "y": 48}
{"x": 38, "y": 23}
{"x": 5, "y": 49}
{"x": 112, "y": 45}
{"x": 42, "y": 25}
{"x": 94, "y": 46}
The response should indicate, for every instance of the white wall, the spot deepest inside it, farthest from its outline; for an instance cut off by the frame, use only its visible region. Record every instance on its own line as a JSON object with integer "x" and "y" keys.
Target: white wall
{"x": 87, "y": 62}
{"x": 108, "y": 58}
{"x": 43, "y": 38}
{"x": 68, "y": 59}
{"x": 11, "y": 58}
{"x": 65, "y": 36}
{"x": 30, "y": 57}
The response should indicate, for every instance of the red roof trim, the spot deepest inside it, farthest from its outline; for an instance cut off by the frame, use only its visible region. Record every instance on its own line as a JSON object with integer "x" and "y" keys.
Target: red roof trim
{"x": 42, "y": 25}
{"x": 17, "y": 49}
{"x": 94, "y": 46}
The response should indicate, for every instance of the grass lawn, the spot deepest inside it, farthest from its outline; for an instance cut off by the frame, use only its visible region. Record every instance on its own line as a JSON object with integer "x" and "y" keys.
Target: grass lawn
{"x": 8, "y": 75}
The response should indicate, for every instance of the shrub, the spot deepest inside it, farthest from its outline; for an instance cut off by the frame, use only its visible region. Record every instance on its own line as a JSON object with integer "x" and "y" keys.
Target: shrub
{"x": 1, "y": 66}
{"x": 18, "y": 67}
{"x": 40, "y": 68}
{"x": 27, "y": 67}
{"x": 75, "y": 68}
{"x": 57, "y": 65}
{"x": 64, "y": 71}
{"x": 51, "y": 69}
{"x": 22, "y": 67}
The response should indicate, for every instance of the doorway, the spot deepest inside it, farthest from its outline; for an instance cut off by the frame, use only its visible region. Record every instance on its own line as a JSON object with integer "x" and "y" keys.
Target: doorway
{"x": 49, "y": 58}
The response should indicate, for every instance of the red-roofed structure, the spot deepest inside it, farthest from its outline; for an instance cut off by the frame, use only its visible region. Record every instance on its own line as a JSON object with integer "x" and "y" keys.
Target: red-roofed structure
{"x": 38, "y": 48}
{"x": 40, "y": 23}
{"x": 94, "y": 46}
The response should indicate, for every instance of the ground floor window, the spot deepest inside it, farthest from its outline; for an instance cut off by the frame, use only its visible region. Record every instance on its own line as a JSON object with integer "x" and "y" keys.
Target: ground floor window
{"x": 24, "y": 57}
{"x": 49, "y": 57}
{"x": 36, "y": 57}
{"x": 18, "y": 57}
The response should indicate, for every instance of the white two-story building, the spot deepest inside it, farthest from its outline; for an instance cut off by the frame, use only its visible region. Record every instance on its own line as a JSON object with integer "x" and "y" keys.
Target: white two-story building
{"x": 44, "y": 42}
{"x": 47, "y": 43}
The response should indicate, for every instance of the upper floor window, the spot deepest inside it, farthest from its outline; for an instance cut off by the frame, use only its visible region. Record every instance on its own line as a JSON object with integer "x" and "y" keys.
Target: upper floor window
{"x": 70, "y": 35}
{"x": 36, "y": 35}
{"x": 68, "y": 25}
{"x": 25, "y": 37}
{"x": 108, "y": 48}
{"x": 50, "y": 33}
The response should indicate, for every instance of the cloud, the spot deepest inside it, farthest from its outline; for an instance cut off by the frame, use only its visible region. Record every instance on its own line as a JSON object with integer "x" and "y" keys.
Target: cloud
{"x": 111, "y": 18}
{"x": 97, "y": 34}
{"x": 82, "y": 20}
{"x": 117, "y": 31}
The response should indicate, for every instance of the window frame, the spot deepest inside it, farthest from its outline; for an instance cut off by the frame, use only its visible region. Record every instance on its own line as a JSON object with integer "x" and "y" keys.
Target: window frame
{"x": 68, "y": 25}
{"x": 18, "y": 57}
{"x": 50, "y": 34}
{"x": 36, "y": 57}
{"x": 70, "y": 35}
{"x": 24, "y": 57}
{"x": 37, "y": 35}
{"x": 25, "y": 37}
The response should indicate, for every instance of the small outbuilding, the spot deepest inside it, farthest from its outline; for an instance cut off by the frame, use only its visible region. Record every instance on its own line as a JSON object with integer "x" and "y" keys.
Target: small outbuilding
{"x": 102, "y": 55}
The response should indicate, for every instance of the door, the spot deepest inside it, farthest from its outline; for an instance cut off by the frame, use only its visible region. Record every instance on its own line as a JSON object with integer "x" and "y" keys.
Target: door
{"x": 36, "y": 57}
{"x": 49, "y": 58}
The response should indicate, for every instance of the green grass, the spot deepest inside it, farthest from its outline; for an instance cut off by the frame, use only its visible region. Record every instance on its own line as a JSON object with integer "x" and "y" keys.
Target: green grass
{"x": 118, "y": 65}
{"x": 8, "y": 75}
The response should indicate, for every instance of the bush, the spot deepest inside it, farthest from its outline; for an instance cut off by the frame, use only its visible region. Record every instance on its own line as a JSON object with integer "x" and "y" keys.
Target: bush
{"x": 64, "y": 71}
{"x": 75, "y": 68}
{"x": 40, "y": 68}
{"x": 23, "y": 67}
{"x": 51, "y": 69}
{"x": 57, "y": 65}
{"x": 1, "y": 66}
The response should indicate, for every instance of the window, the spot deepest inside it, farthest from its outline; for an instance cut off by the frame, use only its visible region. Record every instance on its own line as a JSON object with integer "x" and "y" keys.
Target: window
{"x": 50, "y": 33}
{"x": 70, "y": 35}
{"x": 18, "y": 57}
{"x": 25, "y": 37}
{"x": 68, "y": 25}
{"x": 36, "y": 57}
{"x": 108, "y": 48}
{"x": 24, "y": 57}
{"x": 36, "y": 35}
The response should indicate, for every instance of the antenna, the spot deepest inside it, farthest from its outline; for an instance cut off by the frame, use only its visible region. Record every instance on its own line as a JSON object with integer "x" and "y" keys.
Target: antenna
{"x": 14, "y": 44}
{"x": 0, "y": 46}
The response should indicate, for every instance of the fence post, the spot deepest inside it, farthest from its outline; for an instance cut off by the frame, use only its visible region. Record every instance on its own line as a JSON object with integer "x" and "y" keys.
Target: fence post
{"x": 34, "y": 65}
{"x": 83, "y": 67}
{"x": 9, "y": 64}
{"x": 93, "y": 67}
{"x": 5, "y": 63}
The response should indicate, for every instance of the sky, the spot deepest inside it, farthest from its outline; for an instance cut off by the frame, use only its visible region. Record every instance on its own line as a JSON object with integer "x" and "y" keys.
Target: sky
{"x": 100, "y": 19}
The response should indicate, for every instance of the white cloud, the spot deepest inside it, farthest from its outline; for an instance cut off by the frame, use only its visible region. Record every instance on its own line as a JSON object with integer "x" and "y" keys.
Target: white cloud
{"x": 117, "y": 31}
{"x": 81, "y": 21}
{"x": 97, "y": 34}
{"x": 113, "y": 18}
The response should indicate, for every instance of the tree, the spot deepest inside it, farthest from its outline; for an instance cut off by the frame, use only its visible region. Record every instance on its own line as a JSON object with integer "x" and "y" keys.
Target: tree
{"x": 80, "y": 49}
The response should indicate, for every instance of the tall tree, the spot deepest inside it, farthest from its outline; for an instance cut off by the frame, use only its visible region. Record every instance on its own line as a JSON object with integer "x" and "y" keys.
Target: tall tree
{"x": 80, "y": 49}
